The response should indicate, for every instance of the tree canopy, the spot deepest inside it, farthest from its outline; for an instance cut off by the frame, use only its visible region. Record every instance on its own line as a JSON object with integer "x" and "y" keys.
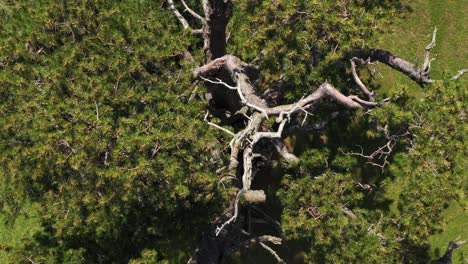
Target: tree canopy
{"x": 122, "y": 127}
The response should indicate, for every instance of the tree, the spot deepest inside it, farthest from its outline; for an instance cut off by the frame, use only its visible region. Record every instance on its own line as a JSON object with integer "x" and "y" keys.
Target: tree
{"x": 103, "y": 129}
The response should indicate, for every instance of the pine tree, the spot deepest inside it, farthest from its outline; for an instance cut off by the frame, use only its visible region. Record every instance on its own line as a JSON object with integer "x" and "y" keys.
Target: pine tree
{"x": 142, "y": 130}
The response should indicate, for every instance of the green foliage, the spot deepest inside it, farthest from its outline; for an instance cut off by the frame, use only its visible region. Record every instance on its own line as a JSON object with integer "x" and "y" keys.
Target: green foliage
{"x": 304, "y": 41}
{"x": 313, "y": 214}
{"x": 429, "y": 167}
{"x": 95, "y": 126}
{"x": 111, "y": 162}
{"x": 434, "y": 169}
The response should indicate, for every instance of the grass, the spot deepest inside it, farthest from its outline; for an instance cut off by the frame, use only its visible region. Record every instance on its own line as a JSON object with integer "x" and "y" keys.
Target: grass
{"x": 408, "y": 39}
{"x": 455, "y": 229}
{"x": 411, "y": 35}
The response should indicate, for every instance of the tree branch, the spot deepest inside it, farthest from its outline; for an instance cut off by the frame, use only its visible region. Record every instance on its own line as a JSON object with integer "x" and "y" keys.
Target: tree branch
{"x": 459, "y": 74}
{"x": 358, "y": 81}
{"x": 179, "y": 16}
{"x": 420, "y": 75}
{"x": 283, "y": 151}
{"x": 193, "y": 13}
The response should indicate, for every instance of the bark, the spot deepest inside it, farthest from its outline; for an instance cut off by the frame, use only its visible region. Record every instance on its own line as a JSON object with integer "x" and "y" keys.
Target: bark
{"x": 217, "y": 15}
{"x": 409, "y": 69}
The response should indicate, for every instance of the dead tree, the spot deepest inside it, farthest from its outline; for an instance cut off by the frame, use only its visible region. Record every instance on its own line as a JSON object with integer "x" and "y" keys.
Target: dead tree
{"x": 229, "y": 80}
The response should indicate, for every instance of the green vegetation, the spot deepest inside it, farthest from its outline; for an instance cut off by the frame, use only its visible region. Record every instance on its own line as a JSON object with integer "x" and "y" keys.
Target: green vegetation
{"x": 455, "y": 219}
{"x": 91, "y": 132}
{"x": 410, "y": 35}
{"x": 14, "y": 233}
{"x": 106, "y": 157}
{"x": 449, "y": 18}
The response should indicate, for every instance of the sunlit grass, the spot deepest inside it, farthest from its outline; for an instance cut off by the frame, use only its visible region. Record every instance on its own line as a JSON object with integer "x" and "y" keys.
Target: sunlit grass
{"x": 410, "y": 36}
{"x": 456, "y": 218}
{"x": 408, "y": 39}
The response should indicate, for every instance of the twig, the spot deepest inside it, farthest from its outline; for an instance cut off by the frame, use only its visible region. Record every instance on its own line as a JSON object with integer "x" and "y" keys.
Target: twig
{"x": 179, "y": 16}
{"x": 426, "y": 67}
{"x": 218, "y": 127}
{"x": 193, "y": 13}
{"x": 218, "y": 81}
{"x": 233, "y": 218}
{"x": 272, "y": 252}
{"x": 358, "y": 81}
{"x": 459, "y": 74}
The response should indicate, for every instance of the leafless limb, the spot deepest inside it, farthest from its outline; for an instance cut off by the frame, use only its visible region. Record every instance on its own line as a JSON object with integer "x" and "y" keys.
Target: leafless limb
{"x": 155, "y": 150}
{"x": 348, "y": 212}
{"x": 459, "y": 74}
{"x": 31, "y": 260}
{"x": 233, "y": 218}
{"x": 218, "y": 81}
{"x": 193, "y": 13}
{"x": 97, "y": 110}
{"x": 364, "y": 186}
{"x": 314, "y": 212}
{"x": 272, "y": 252}
{"x": 283, "y": 151}
{"x": 248, "y": 137}
{"x": 217, "y": 126}
{"x": 426, "y": 68}
{"x": 266, "y": 238}
{"x": 370, "y": 95}
{"x": 277, "y": 134}
{"x": 247, "y": 175}
{"x": 63, "y": 142}
{"x": 382, "y": 152}
{"x": 179, "y": 16}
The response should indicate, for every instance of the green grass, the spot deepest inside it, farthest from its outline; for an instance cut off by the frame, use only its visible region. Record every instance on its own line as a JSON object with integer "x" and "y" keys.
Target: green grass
{"x": 408, "y": 40}
{"x": 456, "y": 218}
{"x": 411, "y": 35}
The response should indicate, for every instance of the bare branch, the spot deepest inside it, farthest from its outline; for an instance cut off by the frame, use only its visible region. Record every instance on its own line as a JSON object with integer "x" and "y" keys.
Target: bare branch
{"x": 218, "y": 127}
{"x": 254, "y": 196}
{"x": 266, "y": 238}
{"x": 272, "y": 252}
{"x": 349, "y": 213}
{"x": 383, "y": 152}
{"x": 179, "y": 16}
{"x": 31, "y": 260}
{"x": 459, "y": 74}
{"x": 358, "y": 81}
{"x": 277, "y": 134}
{"x": 193, "y": 13}
{"x": 426, "y": 68}
{"x": 247, "y": 176}
{"x": 363, "y": 102}
{"x": 420, "y": 75}
{"x": 197, "y": 31}
{"x": 283, "y": 151}
{"x": 218, "y": 81}
{"x": 233, "y": 218}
